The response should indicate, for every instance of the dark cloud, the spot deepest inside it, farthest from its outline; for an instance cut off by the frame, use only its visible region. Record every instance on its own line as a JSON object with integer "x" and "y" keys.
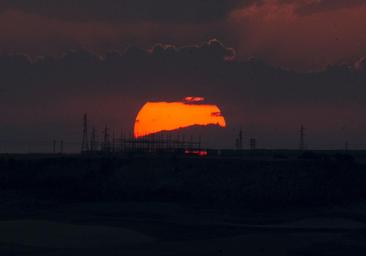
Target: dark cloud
{"x": 128, "y": 10}
{"x": 213, "y": 50}
{"x": 311, "y": 7}
{"x": 274, "y": 31}
{"x": 36, "y": 35}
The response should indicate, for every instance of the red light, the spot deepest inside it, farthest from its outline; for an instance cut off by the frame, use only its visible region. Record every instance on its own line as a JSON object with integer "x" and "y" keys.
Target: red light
{"x": 196, "y": 152}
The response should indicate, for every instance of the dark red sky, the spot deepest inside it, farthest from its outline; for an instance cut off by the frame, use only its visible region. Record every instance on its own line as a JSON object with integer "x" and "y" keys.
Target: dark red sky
{"x": 271, "y": 65}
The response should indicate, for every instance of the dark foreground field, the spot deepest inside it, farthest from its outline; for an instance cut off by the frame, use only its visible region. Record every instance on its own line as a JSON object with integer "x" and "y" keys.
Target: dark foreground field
{"x": 72, "y": 205}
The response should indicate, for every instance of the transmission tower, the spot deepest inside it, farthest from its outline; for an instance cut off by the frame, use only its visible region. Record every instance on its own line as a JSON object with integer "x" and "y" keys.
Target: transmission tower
{"x": 106, "y": 140}
{"x": 85, "y": 141}
{"x": 93, "y": 140}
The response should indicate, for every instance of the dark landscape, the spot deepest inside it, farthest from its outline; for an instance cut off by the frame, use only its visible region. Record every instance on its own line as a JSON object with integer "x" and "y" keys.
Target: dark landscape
{"x": 257, "y": 203}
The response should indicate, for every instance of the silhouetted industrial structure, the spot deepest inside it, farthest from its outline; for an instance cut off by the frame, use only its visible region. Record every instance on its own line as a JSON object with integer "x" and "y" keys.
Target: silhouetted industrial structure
{"x": 106, "y": 145}
{"x": 55, "y": 146}
{"x": 93, "y": 140}
{"x": 128, "y": 144}
{"x": 253, "y": 143}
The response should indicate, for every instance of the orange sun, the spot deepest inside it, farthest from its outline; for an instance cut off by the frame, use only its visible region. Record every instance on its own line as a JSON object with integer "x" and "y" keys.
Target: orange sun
{"x": 155, "y": 117}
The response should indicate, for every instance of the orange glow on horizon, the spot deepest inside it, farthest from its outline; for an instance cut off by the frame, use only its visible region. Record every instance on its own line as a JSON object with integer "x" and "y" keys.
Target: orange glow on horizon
{"x": 156, "y": 117}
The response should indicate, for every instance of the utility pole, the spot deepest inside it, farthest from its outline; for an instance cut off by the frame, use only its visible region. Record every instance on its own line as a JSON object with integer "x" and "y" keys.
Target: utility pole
{"x": 239, "y": 141}
{"x": 85, "y": 140}
{"x": 302, "y": 138}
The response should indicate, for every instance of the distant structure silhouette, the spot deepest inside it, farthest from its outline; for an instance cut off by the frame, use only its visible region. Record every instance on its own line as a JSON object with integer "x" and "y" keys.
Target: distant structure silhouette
{"x": 253, "y": 143}
{"x": 113, "y": 143}
{"x": 85, "y": 139}
{"x": 57, "y": 146}
{"x": 239, "y": 141}
{"x": 110, "y": 143}
{"x": 106, "y": 147}
{"x": 302, "y": 138}
{"x": 93, "y": 140}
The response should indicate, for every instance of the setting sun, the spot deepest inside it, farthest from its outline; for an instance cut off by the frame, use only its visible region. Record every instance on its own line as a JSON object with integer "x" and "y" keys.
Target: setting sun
{"x": 155, "y": 117}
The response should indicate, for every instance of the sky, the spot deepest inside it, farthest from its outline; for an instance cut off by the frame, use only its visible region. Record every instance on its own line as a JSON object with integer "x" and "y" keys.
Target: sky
{"x": 270, "y": 65}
